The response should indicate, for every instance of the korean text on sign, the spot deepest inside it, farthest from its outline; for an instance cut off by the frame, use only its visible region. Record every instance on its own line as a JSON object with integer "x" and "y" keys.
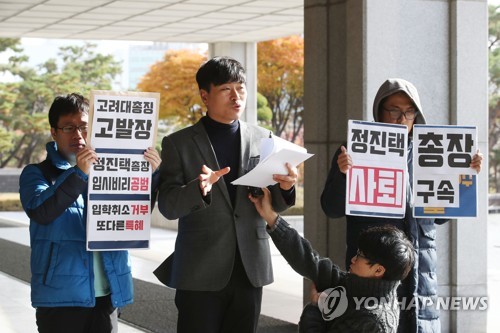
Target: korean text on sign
{"x": 444, "y": 185}
{"x": 376, "y": 184}
{"x": 123, "y": 126}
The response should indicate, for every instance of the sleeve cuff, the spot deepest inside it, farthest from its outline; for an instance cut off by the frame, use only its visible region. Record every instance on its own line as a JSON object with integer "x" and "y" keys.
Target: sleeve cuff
{"x": 270, "y": 229}
{"x": 279, "y": 226}
{"x": 81, "y": 174}
{"x": 288, "y": 195}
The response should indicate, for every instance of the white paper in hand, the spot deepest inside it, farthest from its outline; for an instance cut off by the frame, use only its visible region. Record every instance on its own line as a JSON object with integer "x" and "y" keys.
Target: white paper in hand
{"x": 275, "y": 152}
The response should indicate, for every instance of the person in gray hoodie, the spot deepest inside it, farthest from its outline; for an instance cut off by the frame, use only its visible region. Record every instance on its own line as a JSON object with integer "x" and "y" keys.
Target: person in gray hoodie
{"x": 396, "y": 102}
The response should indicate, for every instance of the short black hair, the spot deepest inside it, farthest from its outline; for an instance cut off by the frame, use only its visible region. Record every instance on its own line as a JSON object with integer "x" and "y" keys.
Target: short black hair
{"x": 389, "y": 247}
{"x": 69, "y": 104}
{"x": 220, "y": 70}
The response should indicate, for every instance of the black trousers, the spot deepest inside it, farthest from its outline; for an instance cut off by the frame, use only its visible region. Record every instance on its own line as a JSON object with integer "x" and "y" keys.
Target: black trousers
{"x": 76, "y": 319}
{"x": 236, "y": 308}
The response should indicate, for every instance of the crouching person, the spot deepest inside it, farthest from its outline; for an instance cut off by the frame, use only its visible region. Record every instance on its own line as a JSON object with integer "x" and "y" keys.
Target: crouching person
{"x": 384, "y": 258}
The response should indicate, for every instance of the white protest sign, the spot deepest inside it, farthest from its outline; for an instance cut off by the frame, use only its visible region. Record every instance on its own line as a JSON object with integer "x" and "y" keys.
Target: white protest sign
{"x": 376, "y": 184}
{"x": 444, "y": 185}
{"x": 122, "y": 126}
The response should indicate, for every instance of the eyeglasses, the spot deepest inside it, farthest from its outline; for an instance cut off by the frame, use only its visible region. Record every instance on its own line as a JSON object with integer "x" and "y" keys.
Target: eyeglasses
{"x": 72, "y": 129}
{"x": 397, "y": 114}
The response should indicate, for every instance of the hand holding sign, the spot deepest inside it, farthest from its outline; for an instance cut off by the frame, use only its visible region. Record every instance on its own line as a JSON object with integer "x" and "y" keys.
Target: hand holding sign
{"x": 344, "y": 160}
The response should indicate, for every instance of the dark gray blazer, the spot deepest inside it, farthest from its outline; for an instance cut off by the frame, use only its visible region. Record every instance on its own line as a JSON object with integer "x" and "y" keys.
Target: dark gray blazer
{"x": 210, "y": 230}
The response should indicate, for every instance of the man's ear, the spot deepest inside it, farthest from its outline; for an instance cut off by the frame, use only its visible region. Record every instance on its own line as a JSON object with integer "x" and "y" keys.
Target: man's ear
{"x": 53, "y": 133}
{"x": 379, "y": 271}
{"x": 204, "y": 96}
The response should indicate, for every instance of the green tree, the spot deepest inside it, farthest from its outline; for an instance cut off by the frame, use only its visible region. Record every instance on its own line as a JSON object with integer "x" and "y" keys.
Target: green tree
{"x": 24, "y": 103}
{"x": 264, "y": 112}
{"x": 494, "y": 98}
{"x": 6, "y": 137}
{"x": 9, "y": 43}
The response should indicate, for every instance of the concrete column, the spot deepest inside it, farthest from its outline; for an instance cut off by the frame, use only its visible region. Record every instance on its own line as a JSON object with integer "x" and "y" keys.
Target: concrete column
{"x": 246, "y": 53}
{"x": 469, "y": 105}
{"x": 351, "y": 47}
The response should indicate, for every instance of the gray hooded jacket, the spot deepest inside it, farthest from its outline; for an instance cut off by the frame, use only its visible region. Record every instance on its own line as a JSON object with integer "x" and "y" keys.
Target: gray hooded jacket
{"x": 392, "y": 86}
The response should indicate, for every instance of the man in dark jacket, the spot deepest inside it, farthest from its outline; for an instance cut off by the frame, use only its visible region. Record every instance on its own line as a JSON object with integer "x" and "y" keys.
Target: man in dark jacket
{"x": 72, "y": 289}
{"x": 385, "y": 256}
{"x": 396, "y": 102}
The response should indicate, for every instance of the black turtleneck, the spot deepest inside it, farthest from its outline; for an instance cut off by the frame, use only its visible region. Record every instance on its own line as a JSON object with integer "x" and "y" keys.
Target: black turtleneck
{"x": 225, "y": 139}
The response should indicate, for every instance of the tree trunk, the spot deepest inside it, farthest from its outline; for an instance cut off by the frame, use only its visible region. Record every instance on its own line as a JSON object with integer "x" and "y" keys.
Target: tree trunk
{"x": 28, "y": 152}
{"x": 13, "y": 152}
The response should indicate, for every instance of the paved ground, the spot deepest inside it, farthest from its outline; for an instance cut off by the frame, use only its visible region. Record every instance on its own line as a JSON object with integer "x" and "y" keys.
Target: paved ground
{"x": 494, "y": 273}
{"x": 282, "y": 300}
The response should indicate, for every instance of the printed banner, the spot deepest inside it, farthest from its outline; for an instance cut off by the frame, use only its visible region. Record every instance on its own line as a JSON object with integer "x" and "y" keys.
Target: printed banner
{"x": 376, "y": 184}
{"x": 122, "y": 126}
{"x": 444, "y": 185}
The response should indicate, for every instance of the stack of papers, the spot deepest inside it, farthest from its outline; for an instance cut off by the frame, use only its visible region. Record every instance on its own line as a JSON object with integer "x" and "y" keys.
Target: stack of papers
{"x": 275, "y": 152}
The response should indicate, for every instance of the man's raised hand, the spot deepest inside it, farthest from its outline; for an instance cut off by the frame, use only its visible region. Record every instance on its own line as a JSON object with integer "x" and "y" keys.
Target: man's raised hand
{"x": 208, "y": 177}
